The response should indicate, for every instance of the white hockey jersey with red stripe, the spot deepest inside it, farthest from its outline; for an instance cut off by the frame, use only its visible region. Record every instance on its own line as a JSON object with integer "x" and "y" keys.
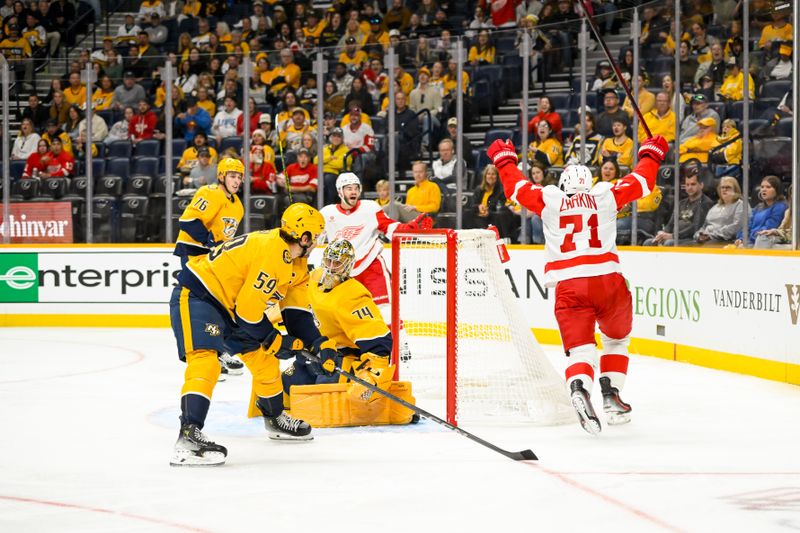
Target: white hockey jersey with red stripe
{"x": 362, "y": 226}
{"x": 580, "y": 230}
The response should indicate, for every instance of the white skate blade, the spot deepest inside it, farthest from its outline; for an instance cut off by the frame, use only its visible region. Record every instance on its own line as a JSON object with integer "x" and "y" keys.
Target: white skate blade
{"x": 589, "y": 423}
{"x": 235, "y": 371}
{"x": 617, "y": 419}
{"x": 221, "y": 377}
{"x": 283, "y": 437}
{"x": 189, "y": 458}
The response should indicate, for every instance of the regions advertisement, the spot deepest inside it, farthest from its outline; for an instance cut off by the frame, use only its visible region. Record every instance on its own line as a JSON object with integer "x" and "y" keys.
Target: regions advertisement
{"x": 39, "y": 222}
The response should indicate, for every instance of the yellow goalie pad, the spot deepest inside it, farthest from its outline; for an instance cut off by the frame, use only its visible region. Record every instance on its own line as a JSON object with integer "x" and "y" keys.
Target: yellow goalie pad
{"x": 330, "y": 405}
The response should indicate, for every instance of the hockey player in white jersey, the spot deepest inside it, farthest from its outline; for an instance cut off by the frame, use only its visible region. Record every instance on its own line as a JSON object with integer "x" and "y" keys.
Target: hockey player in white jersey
{"x": 582, "y": 263}
{"x": 362, "y": 222}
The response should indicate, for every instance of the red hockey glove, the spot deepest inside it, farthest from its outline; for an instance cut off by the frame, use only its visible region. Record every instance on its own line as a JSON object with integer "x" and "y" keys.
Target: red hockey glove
{"x": 655, "y": 148}
{"x": 502, "y": 153}
{"x": 423, "y": 221}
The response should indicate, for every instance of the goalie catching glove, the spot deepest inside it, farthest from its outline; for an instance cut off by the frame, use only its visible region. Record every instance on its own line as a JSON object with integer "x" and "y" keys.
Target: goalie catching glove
{"x": 375, "y": 370}
{"x": 502, "y": 153}
{"x": 422, "y": 222}
{"x": 325, "y": 349}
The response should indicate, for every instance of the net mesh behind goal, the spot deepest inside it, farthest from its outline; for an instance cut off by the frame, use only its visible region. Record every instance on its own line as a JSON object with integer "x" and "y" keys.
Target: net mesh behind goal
{"x": 455, "y": 303}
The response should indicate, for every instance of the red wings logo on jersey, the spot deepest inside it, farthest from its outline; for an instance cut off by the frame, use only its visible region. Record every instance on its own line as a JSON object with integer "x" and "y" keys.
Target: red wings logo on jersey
{"x": 349, "y": 233}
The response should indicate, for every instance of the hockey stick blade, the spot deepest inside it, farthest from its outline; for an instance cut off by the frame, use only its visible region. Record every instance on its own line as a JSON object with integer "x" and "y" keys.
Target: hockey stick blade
{"x": 524, "y": 455}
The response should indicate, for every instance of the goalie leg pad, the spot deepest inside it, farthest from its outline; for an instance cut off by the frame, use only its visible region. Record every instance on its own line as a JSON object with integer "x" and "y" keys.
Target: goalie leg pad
{"x": 200, "y": 377}
{"x": 331, "y": 405}
{"x": 582, "y": 365}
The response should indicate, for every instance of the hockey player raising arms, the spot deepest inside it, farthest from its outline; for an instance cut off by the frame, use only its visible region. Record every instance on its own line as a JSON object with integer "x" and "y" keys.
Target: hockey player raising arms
{"x": 362, "y": 222}
{"x": 582, "y": 263}
{"x": 212, "y": 217}
{"x": 222, "y": 298}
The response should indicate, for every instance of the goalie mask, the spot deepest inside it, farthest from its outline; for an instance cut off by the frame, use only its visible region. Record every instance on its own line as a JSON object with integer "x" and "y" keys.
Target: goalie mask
{"x": 575, "y": 179}
{"x": 337, "y": 261}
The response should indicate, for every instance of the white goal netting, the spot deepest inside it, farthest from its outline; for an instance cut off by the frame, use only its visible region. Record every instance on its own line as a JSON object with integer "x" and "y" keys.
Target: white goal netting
{"x": 500, "y": 371}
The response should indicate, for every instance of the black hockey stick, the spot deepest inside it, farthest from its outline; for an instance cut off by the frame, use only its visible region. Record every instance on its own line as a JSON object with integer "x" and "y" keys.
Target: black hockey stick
{"x": 614, "y": 65}
{"x": 524, "y": 455}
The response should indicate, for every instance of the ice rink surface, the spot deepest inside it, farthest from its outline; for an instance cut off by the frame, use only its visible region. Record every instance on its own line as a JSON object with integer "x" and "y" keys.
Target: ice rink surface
{"x": 88, "y": 418}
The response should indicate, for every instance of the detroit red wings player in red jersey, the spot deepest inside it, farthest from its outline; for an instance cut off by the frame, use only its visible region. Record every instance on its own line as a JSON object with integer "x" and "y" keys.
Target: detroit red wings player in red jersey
{"x": 362, "y": 222}
{"x": 582, "y": 263}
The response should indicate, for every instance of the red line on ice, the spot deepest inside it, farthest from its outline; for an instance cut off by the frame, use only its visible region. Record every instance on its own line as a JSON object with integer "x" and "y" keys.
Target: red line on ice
{"x": 592, "y": 492}
{"x": 104, "y": 511}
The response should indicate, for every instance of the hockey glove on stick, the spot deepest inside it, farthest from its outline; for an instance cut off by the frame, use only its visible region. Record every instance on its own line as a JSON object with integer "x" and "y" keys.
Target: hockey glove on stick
{"x": 376, "y": 371}
{"x": 325, "y": 349}
{"x": 502, "y": 153}
{"x": 423, "y": 221}
{"x": 284, "y": 346}
{"x": 655, "y": 148}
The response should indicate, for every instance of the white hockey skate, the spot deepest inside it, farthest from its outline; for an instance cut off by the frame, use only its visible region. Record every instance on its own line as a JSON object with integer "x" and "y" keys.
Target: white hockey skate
{"x": 617, "y": 412}
{"x": 583, "y": 407}
{"x": 231, "y": 363}
{"x": 194, "y": 449}
{"x": 286, "y": 428}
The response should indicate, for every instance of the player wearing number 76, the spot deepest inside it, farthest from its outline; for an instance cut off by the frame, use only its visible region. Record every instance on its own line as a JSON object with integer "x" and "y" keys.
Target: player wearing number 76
{"x": 582, "y": 264}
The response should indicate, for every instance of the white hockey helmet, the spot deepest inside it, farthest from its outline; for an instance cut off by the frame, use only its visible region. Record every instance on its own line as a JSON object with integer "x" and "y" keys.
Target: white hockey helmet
{"x": 575, "y": 179}
{"x": 346, "y": 178}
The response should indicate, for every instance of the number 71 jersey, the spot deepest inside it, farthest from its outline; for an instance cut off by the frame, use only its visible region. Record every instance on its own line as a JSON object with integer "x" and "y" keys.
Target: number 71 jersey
{"x": 580, "y": 233}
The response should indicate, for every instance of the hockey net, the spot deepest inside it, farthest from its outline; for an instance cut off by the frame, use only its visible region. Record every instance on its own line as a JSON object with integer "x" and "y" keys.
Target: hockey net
{"x": 463, "y": 338}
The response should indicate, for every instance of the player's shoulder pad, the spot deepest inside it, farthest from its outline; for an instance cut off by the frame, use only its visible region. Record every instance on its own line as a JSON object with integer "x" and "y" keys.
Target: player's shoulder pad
{"x": 354, "y": 290}
{"x": 370, "y": 205}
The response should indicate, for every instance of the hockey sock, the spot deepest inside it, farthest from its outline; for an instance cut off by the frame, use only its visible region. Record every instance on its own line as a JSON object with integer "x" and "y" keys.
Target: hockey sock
{"x": 614, "y": 361}
{"x": 583, "y": 360}
{"x": 272, "y": 406}
{"x": 194, "y": 409}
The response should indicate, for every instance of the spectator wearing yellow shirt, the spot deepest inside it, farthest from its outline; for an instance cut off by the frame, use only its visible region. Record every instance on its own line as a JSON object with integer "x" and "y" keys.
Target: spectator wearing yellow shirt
{"x": 728, "y": 154}
{"x": 483, "y": 51}
{"x": 287, "y": 74}
{"x": 620, "y": 146}
{"x": 405, "y": 79}
{"x": 102, "y": 96}
{"x": 697, "y": 146}
{"x": 450, "y": 79}
{"x": 425, "y": 195}
{"x": 313, "y": 27}
{"x": 75, "y": 93}
{"x": 660, "y": 120}
{"x": 779, "y": 30}
{"x": 17, "y": 50}
{"x": 206, "y": 103}
{"x": 377, "y": 34}
{"x": 546, "y": 148}
{"x": 352, "y": 56}
{"x": 732, "y": 88}
{"x": 189, "y": 157}
{"x": 646, "y": 99}
{"x": 333, "y": 155}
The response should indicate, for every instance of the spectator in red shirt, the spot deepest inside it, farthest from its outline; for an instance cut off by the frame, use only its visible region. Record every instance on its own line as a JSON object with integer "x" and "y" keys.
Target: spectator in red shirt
{"x": 546, "y": 112}
{"x": 36, "y": 163}
{"x": 262, "y": 172}
{"x": 300, "y": 179}
{"x": 503, "y": 11}
{"x": 255, "y": 117}
{"x": 61, "y": 162}
{"x": 143, "y": 124}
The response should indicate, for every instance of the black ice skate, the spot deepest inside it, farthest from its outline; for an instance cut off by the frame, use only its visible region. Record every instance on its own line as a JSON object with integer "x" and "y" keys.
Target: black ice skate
{"x": 231, "y": 363}
{"x": 284, "y": 427}
{"x": 617, "y": 411}
{"x": 583, "y": 407}
{"x": 194, "y": 449}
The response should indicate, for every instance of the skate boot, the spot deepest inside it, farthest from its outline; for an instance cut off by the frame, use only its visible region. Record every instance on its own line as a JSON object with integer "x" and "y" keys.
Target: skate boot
{"x": 231, "y": 363}
{"x": 284, "y": 427}
{"x": 583, "y": 407}
{"x": 194, "y": 449}
{"x": 617, "y": 411}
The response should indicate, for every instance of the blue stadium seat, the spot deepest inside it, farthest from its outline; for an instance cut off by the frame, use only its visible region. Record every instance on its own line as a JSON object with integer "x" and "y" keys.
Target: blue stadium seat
{"x": 119, "y": 149}
{"x": 25, "y": 189}
{"x": 147, "y": 166}
{"x": 108, "y": 186}
{"x": 147, "y": 148}
{"x": 560, "y": 100}
{"x": 736, "y": 110}
{"x": 138, "y": 185}
{"x": 775, "y": 88}
{"x": 785, "y": 126}
{"x": 16, "y": 168}
{"x": 497, "y": 133}
{"x": 98, "y": 167}
{"x": 118, "y": 166}
{"x": 55, "y": 187}
{"x": 231, "y": 142}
